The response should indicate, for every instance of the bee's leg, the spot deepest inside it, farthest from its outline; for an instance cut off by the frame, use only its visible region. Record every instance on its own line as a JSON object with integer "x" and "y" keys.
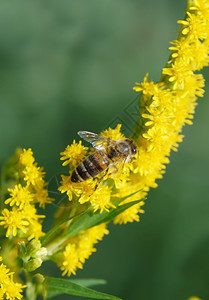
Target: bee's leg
{"x": 114, "y": 171}
{"x": 100, "y": 180}
{"x": 116, "y": 168}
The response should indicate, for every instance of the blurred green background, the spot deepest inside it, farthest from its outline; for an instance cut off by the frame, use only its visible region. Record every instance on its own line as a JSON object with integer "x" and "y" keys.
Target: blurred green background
{"x": 70, "y": 65}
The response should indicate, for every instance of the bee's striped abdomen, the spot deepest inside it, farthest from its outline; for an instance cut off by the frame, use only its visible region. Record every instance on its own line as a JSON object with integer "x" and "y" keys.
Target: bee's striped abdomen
{"x": 91, "y": 166}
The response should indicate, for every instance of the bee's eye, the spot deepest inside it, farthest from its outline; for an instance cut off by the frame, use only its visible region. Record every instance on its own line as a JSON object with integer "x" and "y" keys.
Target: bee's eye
{"x": 134, "y": 150}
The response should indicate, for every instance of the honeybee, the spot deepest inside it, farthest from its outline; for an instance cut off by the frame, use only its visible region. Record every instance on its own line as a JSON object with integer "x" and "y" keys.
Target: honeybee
{"x": 107, "y": 152}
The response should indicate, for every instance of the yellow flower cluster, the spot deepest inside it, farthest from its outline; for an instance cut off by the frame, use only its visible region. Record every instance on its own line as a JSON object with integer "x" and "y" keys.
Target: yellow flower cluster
{"x": 166, "y": 107}
{"x": 20, "y": 216}
{"x": 100, "y": 198}
{"x": 169, "y": 104}
{"x": 80, "y": 248}
{"x": 8, "y": 288}
{"x": 98, "y": 195}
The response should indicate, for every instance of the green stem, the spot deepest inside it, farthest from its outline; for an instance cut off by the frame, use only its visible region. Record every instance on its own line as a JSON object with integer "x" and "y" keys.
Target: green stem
{"x": 54, "y": 246}
{"x": 61, "y": 238}
{"x": 30, "y": 290}
{"x": 73, "y": 212}
{"x": 137, "y": 129}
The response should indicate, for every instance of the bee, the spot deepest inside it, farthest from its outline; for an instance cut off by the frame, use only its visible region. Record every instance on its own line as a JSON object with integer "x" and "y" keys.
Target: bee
{"x": 107, "y": 152}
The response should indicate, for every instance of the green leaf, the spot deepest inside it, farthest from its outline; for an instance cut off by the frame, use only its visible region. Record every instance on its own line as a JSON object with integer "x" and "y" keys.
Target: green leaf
{"x": 57, "y": 286}
{"x": 89, "y": 219}
{"x": 92, "y": 219}
{"x": 89, "y": 282}
{"x": 55, "y": 229}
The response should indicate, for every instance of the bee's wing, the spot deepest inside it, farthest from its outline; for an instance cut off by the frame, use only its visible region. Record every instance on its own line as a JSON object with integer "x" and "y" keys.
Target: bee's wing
{"x": 98, "y": 142}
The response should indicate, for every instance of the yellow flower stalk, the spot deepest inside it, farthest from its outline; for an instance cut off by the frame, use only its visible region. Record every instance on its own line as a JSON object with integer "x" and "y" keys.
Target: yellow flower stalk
{"x": 165, "y": 107}
{"x": 20, "y": 212}
{"x": 81, "y": 247}
{"x": 9, "y": 289}
{"x": 117, "y": 194}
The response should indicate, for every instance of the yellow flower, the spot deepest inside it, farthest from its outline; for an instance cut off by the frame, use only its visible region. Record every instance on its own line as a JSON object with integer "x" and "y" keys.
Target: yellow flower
{"x": 19, "y": 196}
{"x": 73, "y": 154}
{"x": 41, "y": 196}
{"x": 195, "y": 54}
{"x": 130, "y": 214}
{"x": 114, "y": 134}
{"x": 71, "y": 260}
{"x": 119, "y": 173}
{"x": 178, "y": 72}
{"x": 34, "y": 229}
{"x": 13, "y": 289}
{"x": 69, "y": 187}
{"x": 147, "y": 88}
{"x": 80, "y": 249}
{"x": 195, "y": 26}
{"x": 25, "y": 219}
{"x": 10, "y": 257}
{"x": 4, "y": 272}
{"x": 8, "y": 288}
{"x": 95, "y": 233}
{"x": 30, "y": 212}
{"x": 26, "y": 157}
{"x": 202, "y": 8}
{"x": 194, "y": 298}
{"x": 13, "y": 220}
{"x": 33, "y": 175}
{"x": 84, "y": 190}
{"x": 101, "y": 198}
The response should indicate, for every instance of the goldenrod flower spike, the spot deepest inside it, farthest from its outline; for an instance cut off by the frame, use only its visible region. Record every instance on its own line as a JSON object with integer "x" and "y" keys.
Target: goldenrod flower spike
{"x": 21, "y": 215}
{"x": 170, "y": 104}
{"x": 165, "y": 107}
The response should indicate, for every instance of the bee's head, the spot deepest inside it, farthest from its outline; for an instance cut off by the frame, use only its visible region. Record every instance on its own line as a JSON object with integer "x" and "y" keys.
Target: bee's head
{"x": 133, "y": 147}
